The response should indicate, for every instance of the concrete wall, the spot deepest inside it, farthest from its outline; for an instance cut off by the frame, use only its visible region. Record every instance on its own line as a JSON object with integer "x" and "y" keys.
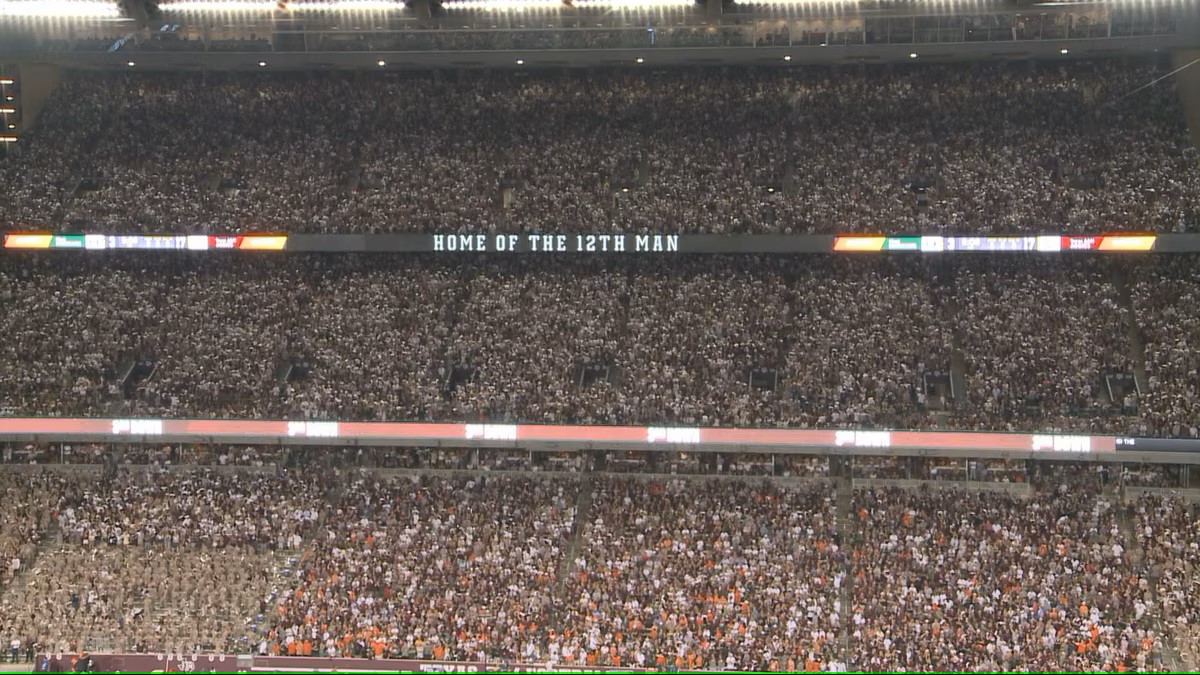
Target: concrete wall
{"x": 1019, "y": 490}
{"x": 38, "y": 82}
{"x": 1133, "y": 493}
{"x": 1188, "y": 83}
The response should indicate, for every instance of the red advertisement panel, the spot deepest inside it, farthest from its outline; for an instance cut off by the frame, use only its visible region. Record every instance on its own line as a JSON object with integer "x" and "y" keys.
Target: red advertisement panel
{"x": 600, "y": 436}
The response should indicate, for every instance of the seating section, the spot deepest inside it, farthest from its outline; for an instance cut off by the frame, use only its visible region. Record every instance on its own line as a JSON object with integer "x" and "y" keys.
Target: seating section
{"x": 614, "y": 570}
{"x": 602, "y": 558}
{"x": 1168, "y": 529}
{"x": 998, "y": 582}
{"x": 161, "y": 562}
{"x": 733, "y": 341}
{"x": 728, "y": 574}
{"x": 429, "y": 568}
{"x": 959, "y": 148}
{"x": 1164, "y": 294}
{"x": 29, "y": 503}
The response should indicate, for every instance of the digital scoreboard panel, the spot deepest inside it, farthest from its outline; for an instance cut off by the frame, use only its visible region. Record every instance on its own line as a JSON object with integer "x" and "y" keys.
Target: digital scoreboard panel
{"x": 661, "y": 245}
{"x": 146, "y": 242}
{"x": 1042, "y": 243}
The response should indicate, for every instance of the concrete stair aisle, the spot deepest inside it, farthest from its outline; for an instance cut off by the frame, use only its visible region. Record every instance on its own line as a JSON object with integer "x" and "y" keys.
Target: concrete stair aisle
{"x": 1187, "y": 650}
{"x": 1137, "y": 559}
{"x": 51, "y": 540}
{"x": 847, "y": 529}
{"x": 1137, "y": 344}
{"x": 365, "y": 150}
{"x": 583, "y": 508}
{"x": 285, "y": 563}
{"x": 958, "y": 360}
{"x": 81, "y": 167}
{"x": 946, "y": 280}
{"x": 958, "y": 374}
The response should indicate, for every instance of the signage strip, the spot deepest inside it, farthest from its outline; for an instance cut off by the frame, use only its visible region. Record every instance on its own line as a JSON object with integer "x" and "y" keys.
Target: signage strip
{"x": 281, "y": 432}
{"x": 661, "y": 244}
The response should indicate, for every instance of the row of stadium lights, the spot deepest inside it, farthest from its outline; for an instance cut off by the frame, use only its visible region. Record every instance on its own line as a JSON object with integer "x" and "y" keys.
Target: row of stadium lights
{"x": 520, "y": 62}
{"x": 8, "y": 108}
{"x": 112, "y": 9}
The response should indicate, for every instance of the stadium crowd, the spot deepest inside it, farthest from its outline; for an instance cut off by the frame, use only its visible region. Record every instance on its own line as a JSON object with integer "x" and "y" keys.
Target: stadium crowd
{"x": 206, "y": 510}
{"x": 1164, "y": 295}
{"x": 618, "y": 570}
{"x": 1168, "y": 530}
{"x": 129, "y": 600}
{"x": 723, "y": 575}
{"x": 998, "y": 583}
{"x": 27, "y": 506}
{"x": 429, "y": 568}
{"x": 964, "y": 148}
{"x": 601, "y": 560}
{"x": 706, "y": 341}
{"x": 1042, "y": 340}
{"x": 151, "y": 560}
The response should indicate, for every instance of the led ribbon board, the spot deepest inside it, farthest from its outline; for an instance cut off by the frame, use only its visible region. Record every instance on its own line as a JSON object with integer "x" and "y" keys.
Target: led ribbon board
{"x": 146, "y": 242}
{"x": 1044, "y": 243}
{"x": 461, "y": 435}
{"x": 606, "y": 244}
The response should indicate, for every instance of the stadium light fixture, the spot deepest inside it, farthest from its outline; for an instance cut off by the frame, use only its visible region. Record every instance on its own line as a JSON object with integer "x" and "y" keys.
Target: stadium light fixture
{"x": 347, "y": 5}
{"x": 59, "y": 8}
{"x": 262, "y": 64}
{"x": 547, "y": 5}
{"x": 8, "y": 98}
{"x": 131, "y": 64}
{"x": 217, "y": 6}
{"x": 640, "y": 60}
{"x": 520, "y": 62}
{"x": 1064, "y": 50}
{"x": 787, "y": 58}
{"x": 381, "y": 63}
{"x": 8, "y": 111}
{"x": 912, "y": 55}
{"x": 273, "y": 5}
{"x": 6, "y": 81}
{"x": 11, "y": 125}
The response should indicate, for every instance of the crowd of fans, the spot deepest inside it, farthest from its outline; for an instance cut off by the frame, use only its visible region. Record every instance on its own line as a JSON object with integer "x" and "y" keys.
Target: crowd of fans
{"x": 613, "y": 570}
{"x": 1042, "y": 340}
{"x": 862, "y": 343}
{"x": 996, "y": 583}
{"x": 1168, "y": 531}
{"x": 126, "y": 599}
{"x": 429, "y": 568}
{"x": 965, "y": 148}
{"x": 1164, "y": 295}
{"x": 150, "y": 560}
{"x": 723, "y": 575}
{"x": 28, "y": 504}
{"x": 202, "y": 510}
{"x": 600, "y": 559}
{"x": 729, "y": 341}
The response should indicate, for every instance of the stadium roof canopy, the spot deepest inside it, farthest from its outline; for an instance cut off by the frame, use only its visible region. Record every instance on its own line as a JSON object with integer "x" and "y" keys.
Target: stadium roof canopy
{"x": 464, "y": 34}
